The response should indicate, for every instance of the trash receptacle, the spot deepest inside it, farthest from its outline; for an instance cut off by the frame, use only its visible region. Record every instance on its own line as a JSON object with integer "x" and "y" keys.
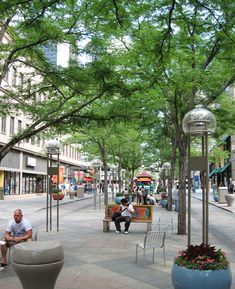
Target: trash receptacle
{"x": 80, "y": 192}
{"x": 1, "y": 193}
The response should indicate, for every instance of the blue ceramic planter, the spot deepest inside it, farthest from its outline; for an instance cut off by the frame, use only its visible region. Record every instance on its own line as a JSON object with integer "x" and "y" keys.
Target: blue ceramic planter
{"x": 118, "y": 200}
{"x": 183, "y": 278}
{"x": 163, "y": 203}
{"x": 216, "y": 197}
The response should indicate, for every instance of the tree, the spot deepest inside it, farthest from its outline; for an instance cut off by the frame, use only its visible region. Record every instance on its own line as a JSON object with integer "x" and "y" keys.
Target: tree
{"x": 158, "y": 58}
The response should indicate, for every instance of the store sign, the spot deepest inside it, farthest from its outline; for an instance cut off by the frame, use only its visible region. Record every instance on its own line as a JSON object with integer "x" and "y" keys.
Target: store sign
{"x": 30, "y": 162}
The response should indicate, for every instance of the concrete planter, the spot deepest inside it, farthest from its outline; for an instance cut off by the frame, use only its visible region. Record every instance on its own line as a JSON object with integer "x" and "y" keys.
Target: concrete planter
{"x": 230, "y": 199}
{"x": 80, "y": 192}
{"x": 71, "y": 194}
{"x": 183, "y": 278}
{"x": 222, "y": 192}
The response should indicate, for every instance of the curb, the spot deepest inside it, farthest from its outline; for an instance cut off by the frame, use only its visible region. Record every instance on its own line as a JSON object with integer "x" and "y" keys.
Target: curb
{"x": 215, "y": 205}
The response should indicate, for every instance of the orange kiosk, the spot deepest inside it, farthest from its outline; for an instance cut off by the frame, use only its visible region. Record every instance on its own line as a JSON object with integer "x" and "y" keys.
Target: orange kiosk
{"x": 144, "y": 179}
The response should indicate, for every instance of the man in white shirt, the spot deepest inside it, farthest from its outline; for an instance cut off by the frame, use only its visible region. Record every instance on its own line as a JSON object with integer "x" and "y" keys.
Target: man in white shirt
{"x": 18, "y": 230}
{"x": 127, "y": 211}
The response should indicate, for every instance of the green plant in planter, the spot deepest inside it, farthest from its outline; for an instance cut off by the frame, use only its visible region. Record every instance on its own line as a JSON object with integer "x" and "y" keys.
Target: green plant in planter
{"x": 57, "y": 194}
{"x": 202, "y": 257}
{"x": 201, "y": 266}
{"x": 57, "y": 191}
{"x": 119, "y": 195}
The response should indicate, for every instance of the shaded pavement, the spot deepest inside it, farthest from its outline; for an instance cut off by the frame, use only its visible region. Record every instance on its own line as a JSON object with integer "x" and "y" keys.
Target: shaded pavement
{"x": 94, "y": 259}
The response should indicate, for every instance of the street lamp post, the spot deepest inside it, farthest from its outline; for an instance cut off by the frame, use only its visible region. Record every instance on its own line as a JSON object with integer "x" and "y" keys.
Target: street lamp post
{"x": 202, "y": 122}
{"x": 53, "y": 164}
{"x": 167, "y": 167}
{"x": 113, "y": 169}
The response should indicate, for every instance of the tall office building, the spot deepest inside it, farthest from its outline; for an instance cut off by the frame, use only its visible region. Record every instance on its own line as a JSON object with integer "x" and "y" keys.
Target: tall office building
{"x": 50, "y": 52}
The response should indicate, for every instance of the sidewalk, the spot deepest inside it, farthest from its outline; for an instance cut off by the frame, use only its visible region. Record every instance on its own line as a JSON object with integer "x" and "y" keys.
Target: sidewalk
{"x": 198, "y": 195}
{"x": 94, "y": 259}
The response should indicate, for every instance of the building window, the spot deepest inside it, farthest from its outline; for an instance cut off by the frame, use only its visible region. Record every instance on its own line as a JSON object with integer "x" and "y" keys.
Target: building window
{"x": 33, "y": 140}
{"x": 4, "y": 120}
{"x": 12, "y": 125}
{"x": 38, "y": 140}
{"x": 27, "y": 139}
{"x": 6, "y": 77}
{"x": 14, "y": 76}
{"x": 21, "y": 79}
{"x": 19, "y": 126}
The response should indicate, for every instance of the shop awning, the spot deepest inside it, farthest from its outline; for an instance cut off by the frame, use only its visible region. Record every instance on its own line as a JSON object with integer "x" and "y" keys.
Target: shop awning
{"x": 88, "y": 179}
{"x": 215, "y": 171}
{"x": 143, "y": 179}
{"x": 224, "y": 167}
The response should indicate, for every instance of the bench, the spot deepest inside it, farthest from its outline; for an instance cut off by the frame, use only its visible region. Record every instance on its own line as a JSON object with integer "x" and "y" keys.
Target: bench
{"x": 143, "y": 214}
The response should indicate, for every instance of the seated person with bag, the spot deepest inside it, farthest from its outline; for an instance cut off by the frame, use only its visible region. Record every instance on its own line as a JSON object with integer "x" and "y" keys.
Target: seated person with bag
{"x": 18, "y": 230}
{"x": 126, "y": 211}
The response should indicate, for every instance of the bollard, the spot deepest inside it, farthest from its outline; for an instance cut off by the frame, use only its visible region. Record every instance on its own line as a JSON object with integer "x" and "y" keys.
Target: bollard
{"x": 38, "y": 264}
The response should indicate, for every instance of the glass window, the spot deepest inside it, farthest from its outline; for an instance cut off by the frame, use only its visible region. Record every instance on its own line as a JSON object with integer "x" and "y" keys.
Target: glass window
{"x": 3, "y": 126}
{"x": 27, "y": 139}
{"x": 33, "y": 140}
{"x": 6, "y": 77}
{"x": 19, "y": 126}
{"x": 21, "y": 79}
{"x": 14, "y": 76}
{"x": 12, "y": 125}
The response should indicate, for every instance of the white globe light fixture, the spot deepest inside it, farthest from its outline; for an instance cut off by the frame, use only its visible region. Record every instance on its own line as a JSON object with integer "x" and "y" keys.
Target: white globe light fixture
{"x": 52, "y": 146}
{"x": 166, "y": 166}
{"x": 199, "y": 121}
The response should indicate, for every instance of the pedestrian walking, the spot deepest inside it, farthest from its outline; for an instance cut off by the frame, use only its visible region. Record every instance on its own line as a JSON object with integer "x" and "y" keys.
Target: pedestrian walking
{"x": 175, "y": 196}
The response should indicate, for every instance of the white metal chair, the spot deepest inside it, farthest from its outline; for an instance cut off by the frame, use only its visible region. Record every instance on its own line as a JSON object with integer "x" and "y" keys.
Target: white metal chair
{"x": 152, "y": 240}
{"x": 165, "y": 226}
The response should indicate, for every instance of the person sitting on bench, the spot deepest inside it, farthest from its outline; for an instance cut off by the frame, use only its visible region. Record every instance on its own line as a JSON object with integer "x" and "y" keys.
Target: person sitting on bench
{"x": 126, "y": 210}
{"x": 18, "y": 230}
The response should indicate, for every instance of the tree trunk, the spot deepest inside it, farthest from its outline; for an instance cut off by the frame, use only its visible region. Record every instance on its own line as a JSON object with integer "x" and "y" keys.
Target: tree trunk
{"x": 119, "y": 179}
{"x": 106, "y": 199}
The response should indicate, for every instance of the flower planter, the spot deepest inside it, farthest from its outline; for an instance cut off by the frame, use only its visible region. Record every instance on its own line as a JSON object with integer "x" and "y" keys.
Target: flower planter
{"x": 183, "y": 278}
{"x": 57, "y": 196}
{"x": 118, "y": 200}
{"x": 230, "y": 199}
{"x": 163, "y": 203}
{"x": 216, "y": 197}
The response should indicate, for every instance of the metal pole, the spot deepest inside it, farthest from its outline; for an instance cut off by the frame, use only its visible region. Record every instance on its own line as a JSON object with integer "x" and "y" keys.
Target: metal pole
{"x": 189, "y": 194}
{"x": 47, "y": 200}
{"x": 207, "y": 189}
{"x": 100, "y": 188}
{"x": 113, "y": 185}
{"x": 95, "y": 191}
{"x": 203, "y": 198}
{"x": 50, "y": 195}
{"x": 58, "y": 181}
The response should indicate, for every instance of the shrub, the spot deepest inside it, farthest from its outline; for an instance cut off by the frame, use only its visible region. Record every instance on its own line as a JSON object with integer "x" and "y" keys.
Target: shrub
{"x": 202, "y": 257}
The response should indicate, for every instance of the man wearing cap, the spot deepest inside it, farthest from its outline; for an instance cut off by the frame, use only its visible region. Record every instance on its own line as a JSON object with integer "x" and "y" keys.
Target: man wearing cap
{"x": 127, "y": 211}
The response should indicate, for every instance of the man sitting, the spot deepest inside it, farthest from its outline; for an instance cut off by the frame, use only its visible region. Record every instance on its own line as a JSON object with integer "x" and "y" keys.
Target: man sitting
{"x": 18, "y": 230}
{"x": 127, "y": 211}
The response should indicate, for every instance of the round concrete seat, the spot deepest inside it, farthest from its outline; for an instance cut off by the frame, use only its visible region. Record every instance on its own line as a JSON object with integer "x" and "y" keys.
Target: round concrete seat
{"x": 38, "y": 264}
{"x": 40, "y": 252}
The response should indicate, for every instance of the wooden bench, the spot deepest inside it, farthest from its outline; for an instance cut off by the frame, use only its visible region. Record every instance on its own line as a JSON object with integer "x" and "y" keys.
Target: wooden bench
{"x": 143, "y": 214}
